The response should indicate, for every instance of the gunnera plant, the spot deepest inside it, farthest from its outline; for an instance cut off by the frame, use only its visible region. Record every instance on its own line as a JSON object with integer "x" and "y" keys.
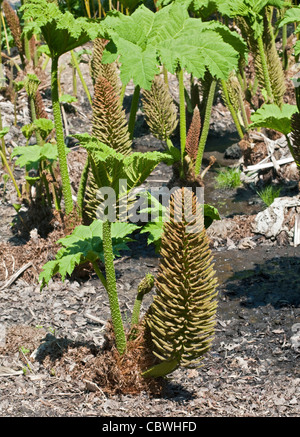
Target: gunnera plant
{"x": 181, "y": 318}
{"x": 109, "y": 127}
{"x": 160, "y": 110}
{"x": 193, "y": 135}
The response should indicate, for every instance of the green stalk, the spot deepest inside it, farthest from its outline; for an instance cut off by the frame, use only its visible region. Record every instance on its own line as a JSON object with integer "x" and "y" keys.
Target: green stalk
{"x": 290, "y": 147}
{"x": 133, "y": 110}
{"x": 112, "y": 289}
{"x": 33, "y": 118}
{"x": 2, "y": 139}
{"x": 2, "y": 78}
{"x": 10, "y": 174}
{"x": 46, "y": 185}
{"x": 44, "y": 66}
{"x": 243, "y": 111}
{"x": 5, "y": 32}
{"x": 100, "y": 274}
{"x": 144, "y": 287}
{"x": 182, "y": 114}
{"x": 165, "y": 72}
{"x": 82, "y": 186}
{"x": 205, "y": 129}
{"x": 76, "y": 65}
{"x": 26, "y": 42}
{"x": 54, "y": 192}
{"x": 265, "y": 68}
{"x": 231, "y": 109}
{"x": 66, "y": 185}
{"x": 74, "y": 82}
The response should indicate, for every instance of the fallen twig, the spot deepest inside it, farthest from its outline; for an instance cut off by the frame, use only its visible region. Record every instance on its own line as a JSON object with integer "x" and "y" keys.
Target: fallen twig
{"x": 95, "y": 319}
{"x": 268, "y": 164}
{"x": 16, "y": 275}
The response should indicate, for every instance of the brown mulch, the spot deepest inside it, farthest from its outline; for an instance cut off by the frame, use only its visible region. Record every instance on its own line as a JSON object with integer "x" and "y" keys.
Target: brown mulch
{"x": 40, "y": 248}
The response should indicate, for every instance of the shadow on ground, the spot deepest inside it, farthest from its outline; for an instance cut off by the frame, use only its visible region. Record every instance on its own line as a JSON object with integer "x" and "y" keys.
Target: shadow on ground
{"x": 275, "y": 282}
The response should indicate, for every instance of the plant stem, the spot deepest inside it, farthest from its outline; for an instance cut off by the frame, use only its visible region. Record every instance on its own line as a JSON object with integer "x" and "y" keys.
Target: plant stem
{"x": 2, "y": 139}
{"x": 182, "y": 114}
{"x": 265, "y": 68}
{"x": 100, "y": 274}
{"x": 243, "y": 111}
{"x": 165, "y": 72}
{"x": 26, "y": 42}
{"x": 74, "y": 82}
{"x": 2, "y": 78}
{"x": 76, "y": 65}
{"x": 205, "y": 128}
{"x": 135, "y": 318}
{"x": 33, "y": 119}
{"x": 45, "y": 62}
{"x": 112, "y": 289}
{"x": 66, "y": 186}
{"x": 10, "y": 173}
{"x": 5, "y": 33}
{"x": 290, "y": 147}
{"x": 231, "y": 109}
{"x": 82, "y": 186}
{"x": 133, "y": 110}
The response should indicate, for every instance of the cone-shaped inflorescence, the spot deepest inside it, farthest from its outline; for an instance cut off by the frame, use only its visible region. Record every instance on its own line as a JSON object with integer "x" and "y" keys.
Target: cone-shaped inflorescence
{"x": 272, "y": 66}
{"x": 182, "y": 316}
{"x": 145, "y": 286}
{"x": 98, "y": 69}
{"x": 234, "y": 91}
{"x": 274, "y": 62}
{"x": 13, "y": 23}
{"x": 109, "y": 127}
{"x": 295, "y": 136}
{"x": 39, "y": 106}
{"x": 160, "y": 110}
{"x": 109, "y": 120}
{"x": 193, "y": 135}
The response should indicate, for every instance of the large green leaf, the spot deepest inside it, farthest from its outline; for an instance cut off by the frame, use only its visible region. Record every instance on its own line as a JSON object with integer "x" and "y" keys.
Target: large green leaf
{"x": 109, "y": 166}
{"x": 251, "y": 10}
{"x": 85, "y": 244}
{"x": 170, "y": 34}
{"x": 31, "y": 156}
{"x": 61, "y": 31}
{"x": 130, "y": 42}
{"x": 270, "y": 116}
{"x": 292, "y": 15}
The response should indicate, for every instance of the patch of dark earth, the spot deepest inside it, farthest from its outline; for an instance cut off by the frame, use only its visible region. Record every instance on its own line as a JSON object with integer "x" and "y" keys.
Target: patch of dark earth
{"x": 252, "y": 368}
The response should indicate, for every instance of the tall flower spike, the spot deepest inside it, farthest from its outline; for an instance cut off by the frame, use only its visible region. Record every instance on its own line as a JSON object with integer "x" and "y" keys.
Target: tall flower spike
{"x": 39, "y": 106}
{"x": 160, "y": 110}
{"x": 182, "y": 316}
{"x": 108, "y": 71}
{"x": 109, "y": 120}
{"x": 295, "y": 135}
{"x": 109, "y": 127}
{"x": 274, "y": 62}
{"x": 14, "y": 25}
{"x": 193, "y": 135}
